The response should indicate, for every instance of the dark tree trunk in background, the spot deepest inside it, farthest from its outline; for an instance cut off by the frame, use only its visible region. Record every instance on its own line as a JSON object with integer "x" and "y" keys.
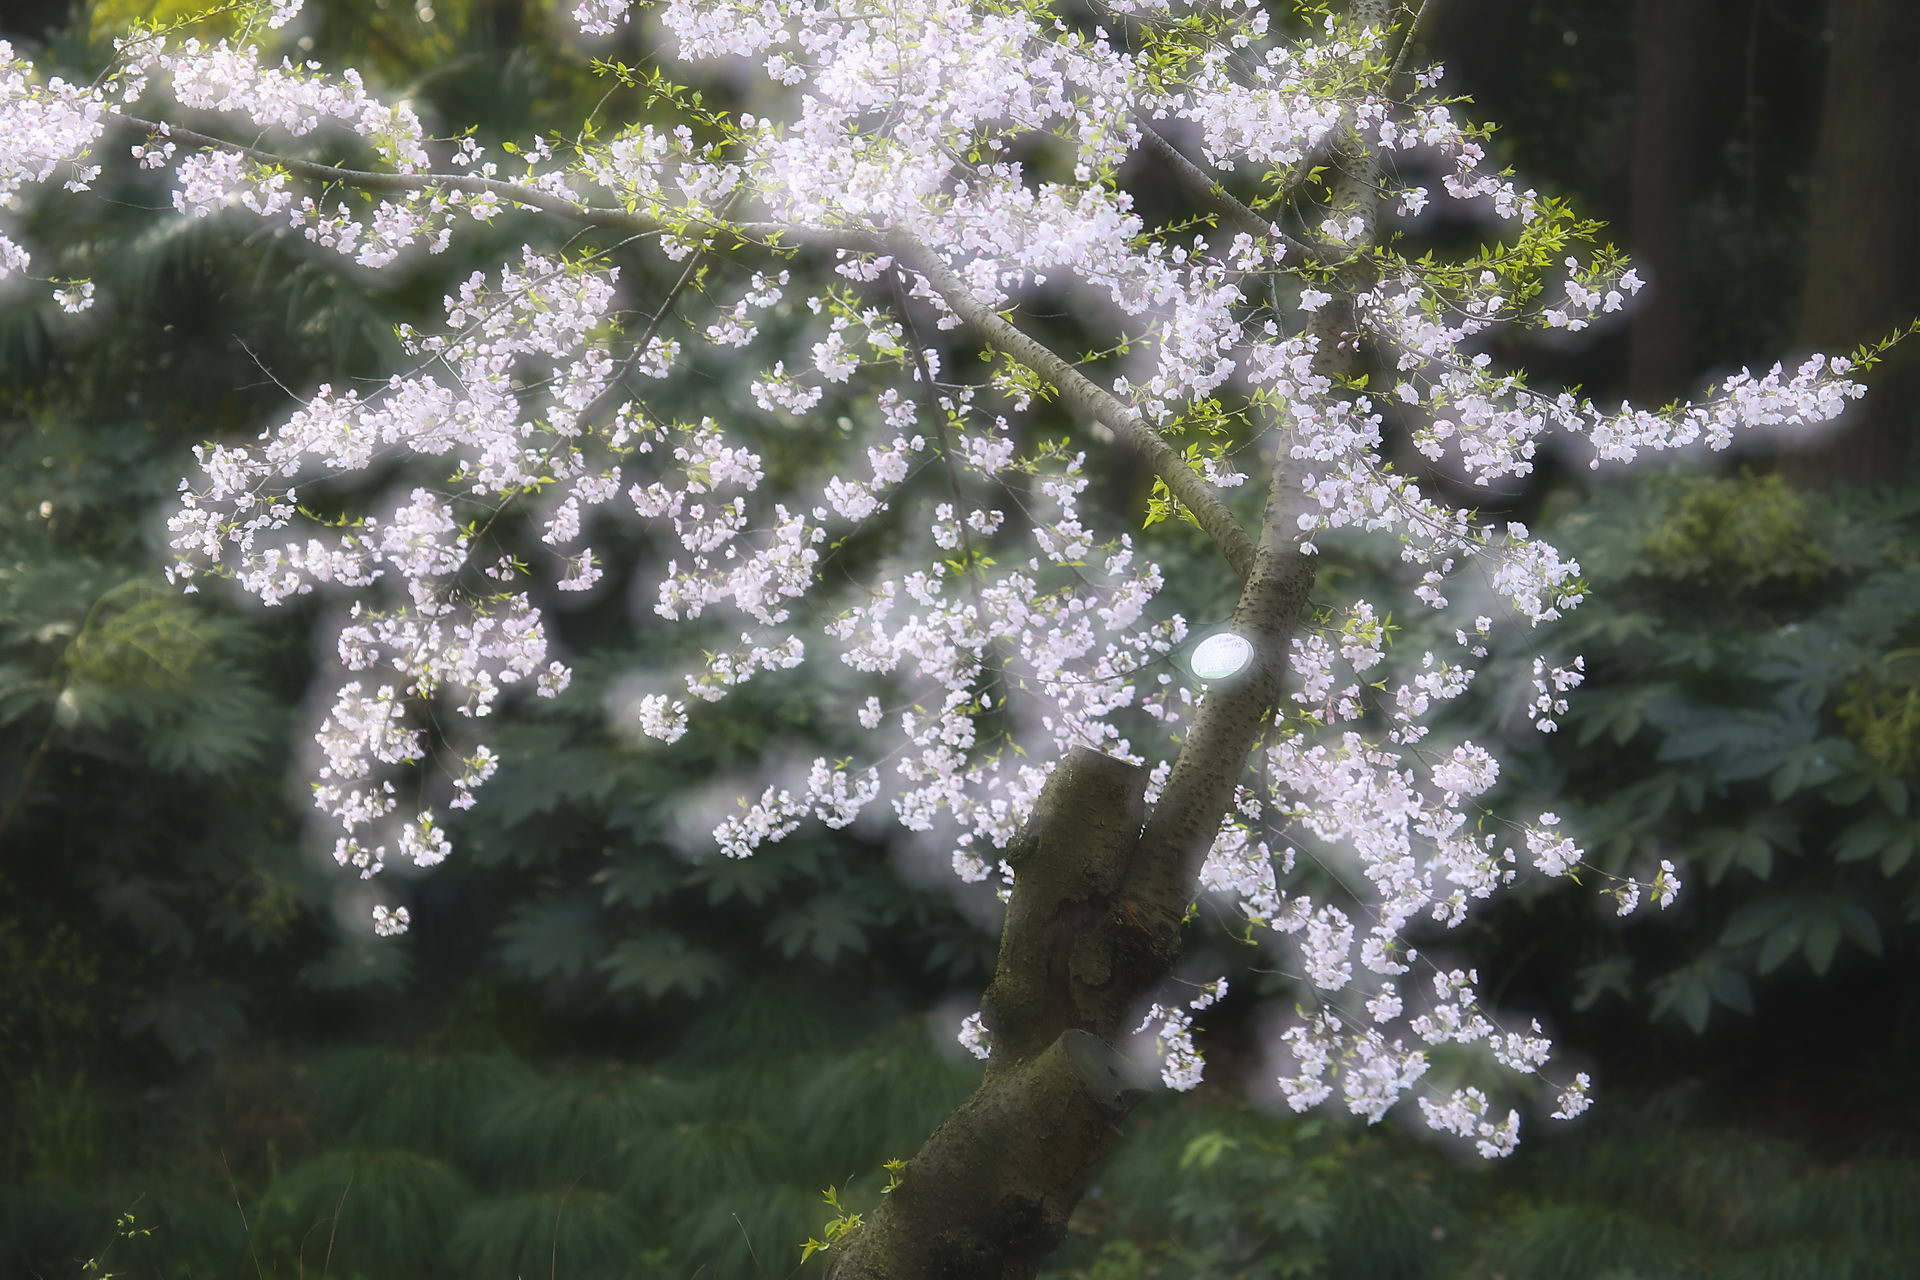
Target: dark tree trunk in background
{"x": 1481, "y": 44}
{"x": 1863, "y": 266}
{"x": 33, "y": 21}
{"x": 1679, "y": 46}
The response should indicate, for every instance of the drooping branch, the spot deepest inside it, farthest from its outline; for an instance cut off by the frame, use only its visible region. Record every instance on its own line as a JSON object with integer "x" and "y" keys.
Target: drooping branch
{"x": 1199, "y": 497}
{"x": 1195, "y": 493}
{"x": 585, "y": 215}
{"x": 414, "y": 183}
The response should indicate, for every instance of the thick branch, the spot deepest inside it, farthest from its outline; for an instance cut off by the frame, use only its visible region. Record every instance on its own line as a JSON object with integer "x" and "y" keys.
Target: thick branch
{"x": 989, "y": 1193}
{"x": 1232, "y": 715}
{"x": 1195, "y": 494}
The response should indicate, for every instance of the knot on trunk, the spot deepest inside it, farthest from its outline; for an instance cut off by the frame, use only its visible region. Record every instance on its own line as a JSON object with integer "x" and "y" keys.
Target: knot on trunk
{"x": 1065, "y": 954}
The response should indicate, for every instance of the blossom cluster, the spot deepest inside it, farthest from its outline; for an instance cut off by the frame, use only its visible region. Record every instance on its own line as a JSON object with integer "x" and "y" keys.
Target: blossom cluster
{"x": 1181, "y": 1064}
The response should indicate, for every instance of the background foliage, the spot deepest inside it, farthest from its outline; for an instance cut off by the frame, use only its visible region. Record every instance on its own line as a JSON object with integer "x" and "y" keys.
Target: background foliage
{"x": 594, "y": 1056}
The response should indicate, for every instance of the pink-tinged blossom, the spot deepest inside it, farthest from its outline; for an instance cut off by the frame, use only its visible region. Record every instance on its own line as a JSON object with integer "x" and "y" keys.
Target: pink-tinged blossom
{"x": 774, "y": 815}
{"x": 1327, "y": 949}
{"x": 1464, "y": 1112}
{"x": 1467, "y": 770}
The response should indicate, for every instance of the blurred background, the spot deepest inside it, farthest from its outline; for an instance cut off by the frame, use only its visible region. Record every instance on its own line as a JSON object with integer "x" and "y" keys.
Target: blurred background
{"x": 596, "y": 1055}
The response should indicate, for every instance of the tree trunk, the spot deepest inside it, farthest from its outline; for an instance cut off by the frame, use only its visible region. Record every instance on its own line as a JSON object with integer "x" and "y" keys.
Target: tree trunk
{"x": 1863, "y": 264}
{"x": 988, "y": 1196}
{"x": 1672, "y": 40}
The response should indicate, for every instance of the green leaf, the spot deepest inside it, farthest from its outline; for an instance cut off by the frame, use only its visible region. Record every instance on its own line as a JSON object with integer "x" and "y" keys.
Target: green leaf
{"x": 1786, "y": 780}
{"x": 659, "y": 963}
{"x": 1691, "y": 992}
{"x": 1205, "y": 1150}
{"x": 1780, "y": 944}
{"x": 1895, "y": 855}
{"x": 136, "y": 901}
{"x": 1849, "y": 790}
{"x": 827, "y": 925}
{"x": 1751, "y": 849}
{"x": 1731, "y": 988}
{"x": 556, "y": 937}
{"x": 636, "y": 881}
{"x": 359, "y": 963}
{"x": 1754, "y": 921}
{"x": 1822, "y": 937}
{"x": 1618, "y": 713}
{"x": 1686, "y": 994}
{"x": 1860, "y": 926}
{"x": 1894, "y": 793}
{"x": 1601, "y": 978}
{"x": 1889, "y": 838}
{"x": 751, "y": 879}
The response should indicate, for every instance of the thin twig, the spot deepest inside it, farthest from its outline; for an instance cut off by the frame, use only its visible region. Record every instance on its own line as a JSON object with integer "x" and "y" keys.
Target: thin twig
{"x": 940, "y": 426}
{"x": 245, "y": 1227}
{"x": 1406, "y": 43}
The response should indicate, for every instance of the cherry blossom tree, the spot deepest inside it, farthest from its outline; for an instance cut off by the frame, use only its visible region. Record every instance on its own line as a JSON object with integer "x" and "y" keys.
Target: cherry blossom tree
{"x": 876, "y": 227}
